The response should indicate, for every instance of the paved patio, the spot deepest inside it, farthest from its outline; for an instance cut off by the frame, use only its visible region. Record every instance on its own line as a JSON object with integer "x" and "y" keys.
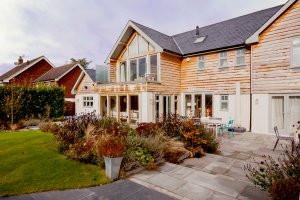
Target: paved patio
{"x": 214, "y": 176}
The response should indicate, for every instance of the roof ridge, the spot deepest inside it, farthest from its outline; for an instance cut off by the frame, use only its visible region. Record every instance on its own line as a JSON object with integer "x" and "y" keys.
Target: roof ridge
{"x": 231, "y": 19}
{"x": 151, "y": 28}
{"x": 177, "y": 45}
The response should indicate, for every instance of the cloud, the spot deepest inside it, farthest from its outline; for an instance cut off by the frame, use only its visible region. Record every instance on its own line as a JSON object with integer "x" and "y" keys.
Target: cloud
{"x": 89, "y": 28}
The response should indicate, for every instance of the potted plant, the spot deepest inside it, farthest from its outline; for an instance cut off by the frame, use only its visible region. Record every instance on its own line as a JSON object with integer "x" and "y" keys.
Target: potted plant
{"x": 111, "y": 148}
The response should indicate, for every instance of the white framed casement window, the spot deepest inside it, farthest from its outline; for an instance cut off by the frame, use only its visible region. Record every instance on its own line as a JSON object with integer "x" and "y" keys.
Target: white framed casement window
{"x": 223, "y": 59}
{"x": 295, "y": 53}
{"x": 224, "y": 101}
{"x": 201, "y": 62}
{"x": 88, "y": 101}
{"x": 240, "y": 57}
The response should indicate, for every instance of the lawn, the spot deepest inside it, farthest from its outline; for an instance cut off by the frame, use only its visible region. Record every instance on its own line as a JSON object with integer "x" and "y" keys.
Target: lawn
{"x": 29, "y": 162}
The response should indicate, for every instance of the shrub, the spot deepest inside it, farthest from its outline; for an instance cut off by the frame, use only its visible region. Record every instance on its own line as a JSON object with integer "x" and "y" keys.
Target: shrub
{"x": 173, "y": 125}
{"x": 148, "y": 129}
{"x": 110, "y": 146}
{"x": 285, "y": 189}
{"x": 49, "y": 127}
{"x": 155, "y": 145}
{"x": 3, "y": 125}
{"x": 270, "y": 175}
{"x": 198, "y": 139}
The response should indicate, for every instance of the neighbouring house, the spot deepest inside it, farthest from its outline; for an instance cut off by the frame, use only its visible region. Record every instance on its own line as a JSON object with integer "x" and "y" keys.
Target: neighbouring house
{"x": 26, "y": 72}
{"x": 246, "y": 69}
{"x": 66, "y": 76}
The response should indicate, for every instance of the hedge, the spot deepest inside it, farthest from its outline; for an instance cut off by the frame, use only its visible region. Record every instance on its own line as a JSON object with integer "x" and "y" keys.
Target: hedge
{"x": 37, "y": 102}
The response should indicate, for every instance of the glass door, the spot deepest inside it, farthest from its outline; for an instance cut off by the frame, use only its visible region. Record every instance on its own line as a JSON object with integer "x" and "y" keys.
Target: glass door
{"x": 278, "y": 112}
{"x": 285, "y": 113}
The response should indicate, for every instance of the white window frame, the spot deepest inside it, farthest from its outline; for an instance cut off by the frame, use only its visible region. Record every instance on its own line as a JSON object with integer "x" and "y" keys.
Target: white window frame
{"x": 223, "y": 57}
{"x": 292, "y": 50}
{"x": 87, "y": 101}
{"x": 224, "y": 101}
{"x": 239, "y": 55}
{"x": 201, "y": 60}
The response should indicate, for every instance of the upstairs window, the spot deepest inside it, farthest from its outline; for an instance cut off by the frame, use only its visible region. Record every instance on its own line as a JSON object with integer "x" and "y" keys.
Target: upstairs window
{"x": 224, "y": 102}
{"x": 240, "y": 57}
{"x": 133, "y": 70}
{"x": 154, "y": 67}
{"x": 201, "y": 62}
{"x": 296, "y": 53}
{"x": 223, "y": 59}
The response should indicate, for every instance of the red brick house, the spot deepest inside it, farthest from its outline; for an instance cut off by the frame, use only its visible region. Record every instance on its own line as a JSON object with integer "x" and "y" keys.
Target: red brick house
{"x": 66, "y": 76}
{"x": 26, "y": 72}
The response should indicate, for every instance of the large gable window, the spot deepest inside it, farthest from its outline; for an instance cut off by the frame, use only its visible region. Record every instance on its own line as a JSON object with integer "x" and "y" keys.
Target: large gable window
{"x": 296, "y": 53}
{"x": 223, "y": 59}
{"x": 138, "y": 61}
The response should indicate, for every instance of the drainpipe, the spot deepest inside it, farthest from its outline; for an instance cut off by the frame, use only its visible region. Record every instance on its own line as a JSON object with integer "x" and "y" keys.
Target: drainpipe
{"x": 251, "y": 61}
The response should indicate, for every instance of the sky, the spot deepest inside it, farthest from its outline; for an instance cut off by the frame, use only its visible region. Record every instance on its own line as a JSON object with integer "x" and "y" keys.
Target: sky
{"x": 64, "y": 29}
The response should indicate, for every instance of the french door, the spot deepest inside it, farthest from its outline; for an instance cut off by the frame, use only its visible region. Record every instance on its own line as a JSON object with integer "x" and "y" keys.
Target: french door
{"x": 198, "y": 105}
{"x": 285, "y": 112}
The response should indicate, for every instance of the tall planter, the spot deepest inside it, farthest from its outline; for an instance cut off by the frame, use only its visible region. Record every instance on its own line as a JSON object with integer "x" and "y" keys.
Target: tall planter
{"x": 112, "y": 167}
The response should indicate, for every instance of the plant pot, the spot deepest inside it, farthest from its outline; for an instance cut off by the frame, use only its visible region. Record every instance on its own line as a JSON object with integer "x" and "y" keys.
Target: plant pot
{"x": 112, "y": 167}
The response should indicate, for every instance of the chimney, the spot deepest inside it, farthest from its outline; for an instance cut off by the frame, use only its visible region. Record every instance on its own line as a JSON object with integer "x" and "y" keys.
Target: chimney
{"x": 20, "y": 60}
{"x": 197, "y": 31}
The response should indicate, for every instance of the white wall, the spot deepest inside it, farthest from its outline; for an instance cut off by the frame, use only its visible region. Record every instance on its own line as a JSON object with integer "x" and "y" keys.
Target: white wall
{"x": 147, "y": 107}
{"x": 242, "y": 118}
{"x": 79, "y": 104}
{"x": 260, "y": 113}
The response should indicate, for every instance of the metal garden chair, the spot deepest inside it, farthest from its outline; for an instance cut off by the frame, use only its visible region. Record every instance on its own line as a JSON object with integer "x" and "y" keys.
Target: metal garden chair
{"x": 228, "y": 127}
{"x": 286, "y": 138}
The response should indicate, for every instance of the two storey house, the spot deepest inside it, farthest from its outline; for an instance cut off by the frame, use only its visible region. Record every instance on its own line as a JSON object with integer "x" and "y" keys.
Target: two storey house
{"x": 246, "y": 69}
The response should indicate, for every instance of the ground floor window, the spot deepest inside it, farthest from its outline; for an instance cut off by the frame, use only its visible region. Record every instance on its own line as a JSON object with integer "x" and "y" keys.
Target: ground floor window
{"x": 88, "y": 102}
{"x": 224, "y": 102}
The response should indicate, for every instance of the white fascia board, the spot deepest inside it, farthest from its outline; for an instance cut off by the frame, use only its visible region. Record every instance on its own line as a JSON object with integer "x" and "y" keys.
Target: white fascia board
{"x": 131, "y": 24}
{"x": 78, "y": 81}
{"x": 255, "y": 37}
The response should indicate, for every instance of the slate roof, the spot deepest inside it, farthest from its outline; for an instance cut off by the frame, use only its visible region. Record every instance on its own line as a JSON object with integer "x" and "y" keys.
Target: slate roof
{"x": 55, "y": 72}
{"x": 18, "y": 68}
{"x": 91, "y": 73}
{"x": 229, "y": 33}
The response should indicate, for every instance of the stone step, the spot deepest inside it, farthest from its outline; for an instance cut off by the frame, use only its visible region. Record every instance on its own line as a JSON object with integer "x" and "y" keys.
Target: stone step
{"x": 183, "y": 182}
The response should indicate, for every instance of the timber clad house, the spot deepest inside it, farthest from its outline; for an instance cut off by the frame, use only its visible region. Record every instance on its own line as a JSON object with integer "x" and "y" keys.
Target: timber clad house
{"x": 246, "y": 69}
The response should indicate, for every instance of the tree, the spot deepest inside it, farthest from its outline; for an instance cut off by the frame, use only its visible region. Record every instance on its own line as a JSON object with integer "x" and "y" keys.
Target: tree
{"x": 13, "y": 102}
{"x": 83, "y": 62}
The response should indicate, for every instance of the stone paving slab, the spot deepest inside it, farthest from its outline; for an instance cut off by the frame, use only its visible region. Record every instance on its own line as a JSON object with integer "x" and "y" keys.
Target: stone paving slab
{"x": 120, "y": 190}
{"x": 165, "y": 181}
{"x": 194, "y": 192}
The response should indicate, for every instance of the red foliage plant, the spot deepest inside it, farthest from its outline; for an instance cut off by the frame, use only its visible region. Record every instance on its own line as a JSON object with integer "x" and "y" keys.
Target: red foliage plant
{"x": 110, "y": 146}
